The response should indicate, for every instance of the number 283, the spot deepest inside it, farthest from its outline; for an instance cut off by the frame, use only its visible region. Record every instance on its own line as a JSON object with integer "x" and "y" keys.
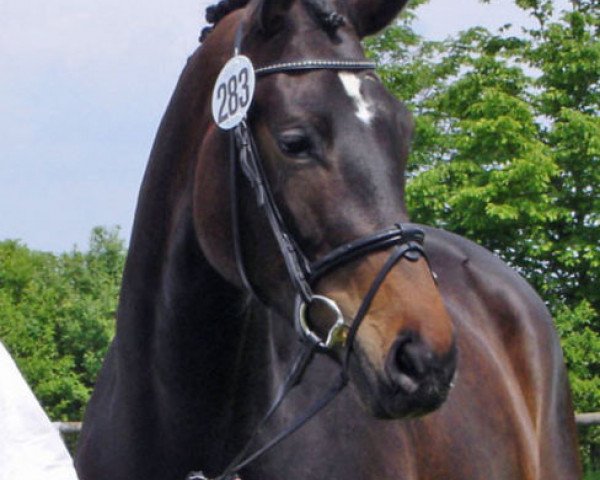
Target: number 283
{"x": 233, "y": 95}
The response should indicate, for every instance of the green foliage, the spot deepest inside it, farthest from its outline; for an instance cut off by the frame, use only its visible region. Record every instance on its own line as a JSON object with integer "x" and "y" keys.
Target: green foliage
{"x": 57, "y": 317}
{"x": 507, "y": 153}
{"x": 581, "y": 346}
{"x": 592, "y": 475}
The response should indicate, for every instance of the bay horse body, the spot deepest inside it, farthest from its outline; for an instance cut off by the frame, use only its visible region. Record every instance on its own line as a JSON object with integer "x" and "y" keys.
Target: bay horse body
{"x": 195, "y": 364}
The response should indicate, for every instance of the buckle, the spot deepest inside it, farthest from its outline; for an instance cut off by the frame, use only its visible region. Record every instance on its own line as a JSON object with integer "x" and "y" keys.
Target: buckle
{"x": 338, "y": 333}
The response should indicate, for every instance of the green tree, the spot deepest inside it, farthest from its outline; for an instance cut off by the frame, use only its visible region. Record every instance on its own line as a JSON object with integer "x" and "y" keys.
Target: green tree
{"x": 57, "y": 317}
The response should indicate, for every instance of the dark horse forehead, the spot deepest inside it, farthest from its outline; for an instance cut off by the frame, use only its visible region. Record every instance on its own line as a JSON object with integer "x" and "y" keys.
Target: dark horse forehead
{"x": 305, "y": 36}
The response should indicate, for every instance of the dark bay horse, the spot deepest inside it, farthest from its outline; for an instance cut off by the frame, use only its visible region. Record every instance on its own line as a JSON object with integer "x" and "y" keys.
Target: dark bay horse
{"x": 453, "y": 375}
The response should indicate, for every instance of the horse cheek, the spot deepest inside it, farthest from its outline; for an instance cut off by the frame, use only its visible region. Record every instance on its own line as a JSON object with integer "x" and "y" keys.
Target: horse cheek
{"x": 211, "y": 206}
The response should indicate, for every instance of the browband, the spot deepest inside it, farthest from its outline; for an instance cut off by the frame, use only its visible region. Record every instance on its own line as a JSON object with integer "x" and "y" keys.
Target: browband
{"x": 316, "y": 65}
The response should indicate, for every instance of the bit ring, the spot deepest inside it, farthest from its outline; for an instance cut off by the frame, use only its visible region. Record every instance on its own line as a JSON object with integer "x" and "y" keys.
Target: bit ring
{"x": 337, "y": 333}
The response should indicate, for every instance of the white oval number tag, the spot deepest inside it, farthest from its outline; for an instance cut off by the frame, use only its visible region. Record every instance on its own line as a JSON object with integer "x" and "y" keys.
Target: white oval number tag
{"x": 233, "y": 92}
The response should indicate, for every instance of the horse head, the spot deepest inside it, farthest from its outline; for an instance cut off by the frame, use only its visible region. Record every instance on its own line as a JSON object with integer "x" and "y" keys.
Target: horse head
{"x": 333, "y": 145}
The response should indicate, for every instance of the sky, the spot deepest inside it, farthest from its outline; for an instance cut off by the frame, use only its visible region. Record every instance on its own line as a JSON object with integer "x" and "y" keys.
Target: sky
{"x": 83, "y": 86}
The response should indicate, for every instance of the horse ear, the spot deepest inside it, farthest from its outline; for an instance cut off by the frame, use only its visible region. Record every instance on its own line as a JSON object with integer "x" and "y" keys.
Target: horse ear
{"x": 370, "y": 16}
{"x": 269, "y": 14}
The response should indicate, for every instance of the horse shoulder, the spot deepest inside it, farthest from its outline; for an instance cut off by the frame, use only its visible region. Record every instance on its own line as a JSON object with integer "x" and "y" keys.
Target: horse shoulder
{"x": 499, "y": 314}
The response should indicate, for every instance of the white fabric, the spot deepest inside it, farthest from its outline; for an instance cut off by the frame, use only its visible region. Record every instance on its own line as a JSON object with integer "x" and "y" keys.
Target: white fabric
{"x": 30, "y": 446}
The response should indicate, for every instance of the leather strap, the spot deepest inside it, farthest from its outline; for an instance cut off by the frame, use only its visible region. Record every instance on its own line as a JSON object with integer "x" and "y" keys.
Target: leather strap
{"x": 300, "y": 66}
{"x": 363, "y": 246}
{"x": 397, "y": 254}
{"x": 296, "y": 263}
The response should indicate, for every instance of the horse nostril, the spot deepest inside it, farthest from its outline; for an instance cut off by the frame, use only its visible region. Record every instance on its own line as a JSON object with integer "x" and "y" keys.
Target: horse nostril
{"x": 412, "y": 360}
{"x": 409, "y": 362}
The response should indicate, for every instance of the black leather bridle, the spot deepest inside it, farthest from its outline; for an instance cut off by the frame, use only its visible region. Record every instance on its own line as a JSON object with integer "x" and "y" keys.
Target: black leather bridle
{"x": 405, "y": 240}
{"x": 302, "y": 273}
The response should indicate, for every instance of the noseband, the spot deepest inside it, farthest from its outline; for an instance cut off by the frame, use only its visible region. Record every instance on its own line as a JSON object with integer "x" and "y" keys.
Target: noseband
{"x": 406, "y": 241}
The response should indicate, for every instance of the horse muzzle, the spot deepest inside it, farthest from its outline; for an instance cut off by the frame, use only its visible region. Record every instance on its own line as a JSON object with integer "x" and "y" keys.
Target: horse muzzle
{"x": 412, "y": 381}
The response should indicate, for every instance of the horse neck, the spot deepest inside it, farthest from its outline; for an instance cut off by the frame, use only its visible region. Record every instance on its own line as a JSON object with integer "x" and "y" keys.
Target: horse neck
{"x": 193, "y": 352}
{"x": 189, "y": 350}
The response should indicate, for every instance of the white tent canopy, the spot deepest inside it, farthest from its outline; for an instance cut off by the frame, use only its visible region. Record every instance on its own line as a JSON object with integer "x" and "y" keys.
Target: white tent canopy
{"x": 30, "y": 446}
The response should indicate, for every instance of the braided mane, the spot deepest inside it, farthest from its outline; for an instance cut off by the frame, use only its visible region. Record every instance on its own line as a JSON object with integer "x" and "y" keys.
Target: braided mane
{"x": 329, "y": 19}
{"x": 216, "y": 12}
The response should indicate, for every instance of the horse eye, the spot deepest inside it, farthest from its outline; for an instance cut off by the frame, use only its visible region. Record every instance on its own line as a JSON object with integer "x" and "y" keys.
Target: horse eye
{"x": 296, "y": 145}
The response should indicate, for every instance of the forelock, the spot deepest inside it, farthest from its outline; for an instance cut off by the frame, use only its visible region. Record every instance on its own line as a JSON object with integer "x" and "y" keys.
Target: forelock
{"x": 322, "y": 10}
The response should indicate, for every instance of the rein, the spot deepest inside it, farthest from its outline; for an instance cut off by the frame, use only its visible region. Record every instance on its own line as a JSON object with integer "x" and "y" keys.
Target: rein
{"x": 407, "y": 242}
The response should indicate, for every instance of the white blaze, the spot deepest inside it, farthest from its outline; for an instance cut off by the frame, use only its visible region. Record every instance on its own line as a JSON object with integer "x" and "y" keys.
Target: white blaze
{"x": 364, "y": 110}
